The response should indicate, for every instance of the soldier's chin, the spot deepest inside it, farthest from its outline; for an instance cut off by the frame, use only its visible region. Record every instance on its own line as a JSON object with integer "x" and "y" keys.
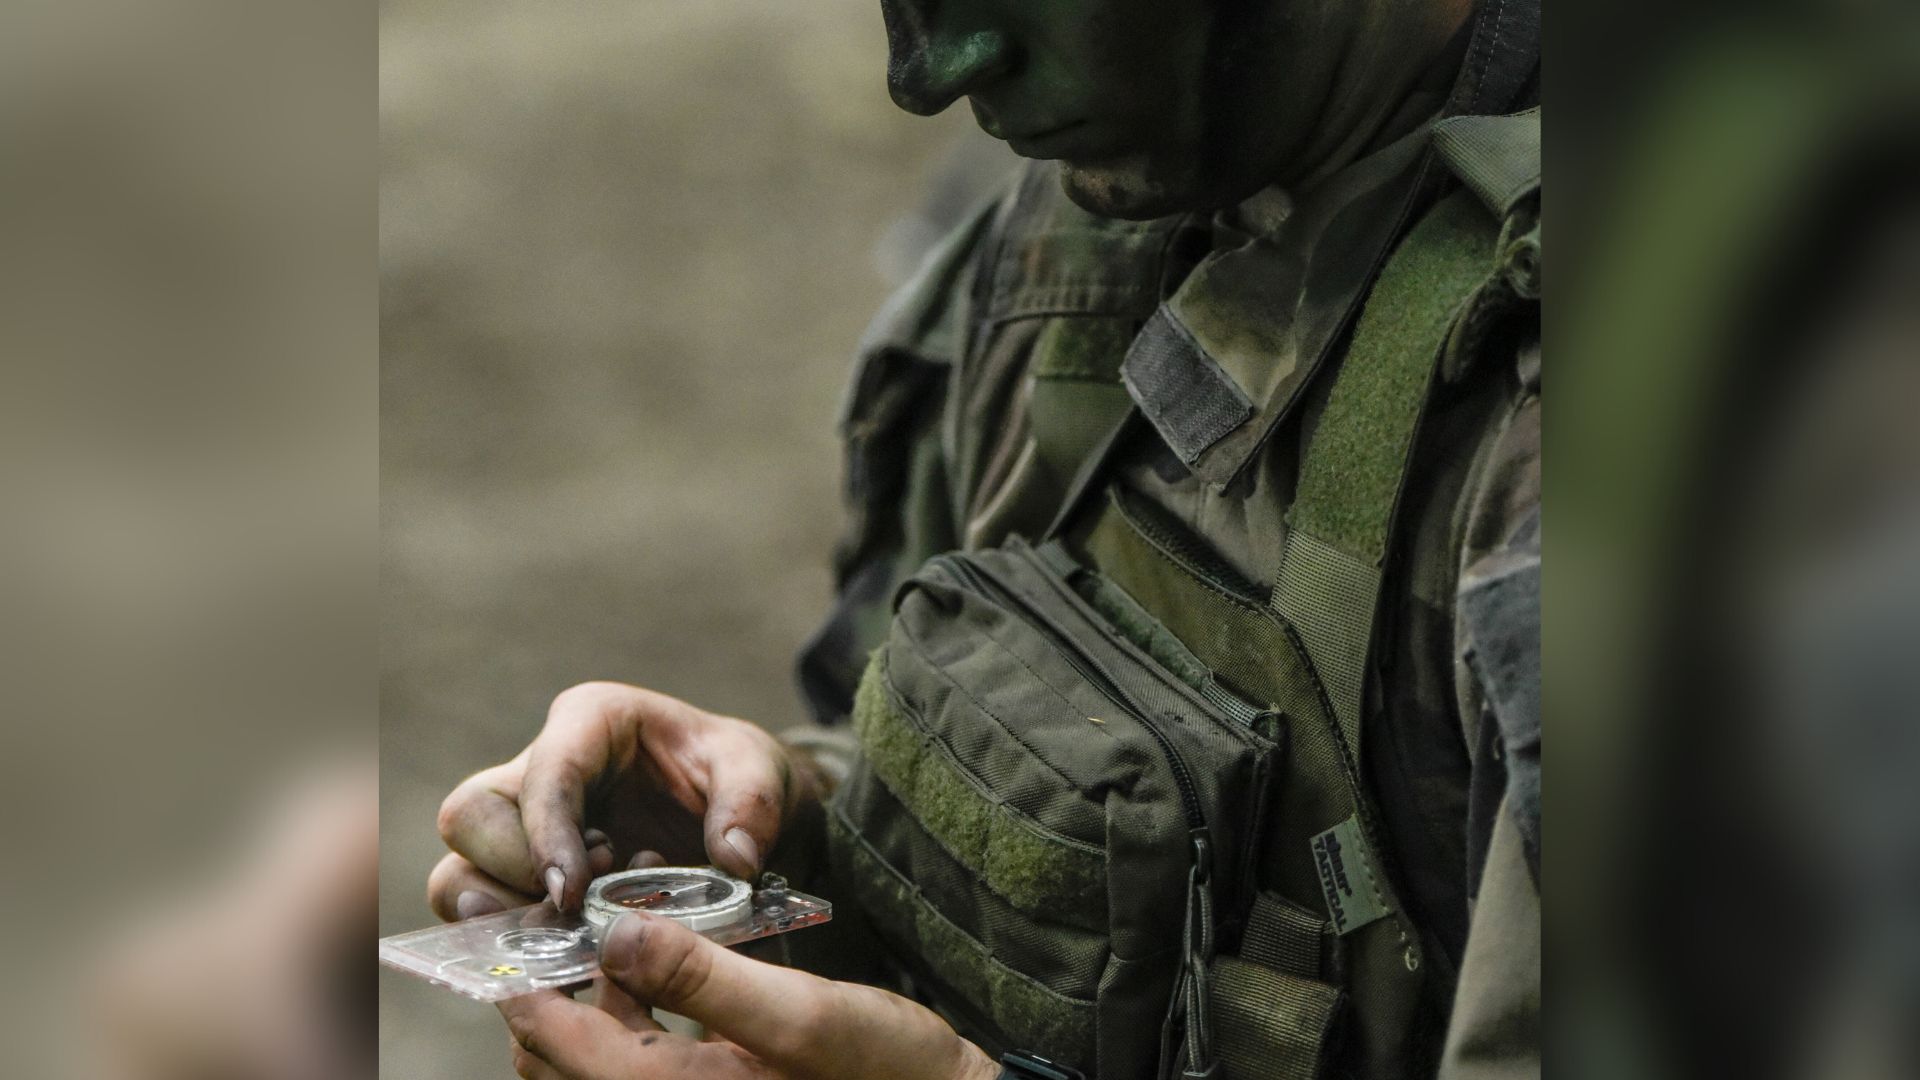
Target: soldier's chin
{"x": 1131, "y": 188}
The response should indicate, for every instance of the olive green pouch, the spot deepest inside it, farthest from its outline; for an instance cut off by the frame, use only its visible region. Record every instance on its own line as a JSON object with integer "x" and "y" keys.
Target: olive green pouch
{"x": 1017, "y": 688}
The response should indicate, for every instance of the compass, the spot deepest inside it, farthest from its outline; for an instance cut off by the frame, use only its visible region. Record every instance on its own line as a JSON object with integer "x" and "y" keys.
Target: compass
{"x": 696, "y": 897}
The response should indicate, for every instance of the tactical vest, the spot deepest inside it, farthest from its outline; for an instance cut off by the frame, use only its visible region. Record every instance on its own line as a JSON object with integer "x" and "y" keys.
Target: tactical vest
{"x": 1109, "y": 806}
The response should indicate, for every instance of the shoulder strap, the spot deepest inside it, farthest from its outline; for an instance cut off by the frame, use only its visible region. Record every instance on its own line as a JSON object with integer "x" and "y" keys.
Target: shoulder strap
{"x": 1498, "y": 157}
{"x": 1328, "y": 585}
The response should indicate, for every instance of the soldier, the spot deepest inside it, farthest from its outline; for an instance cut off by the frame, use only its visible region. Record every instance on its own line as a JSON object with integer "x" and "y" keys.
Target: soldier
{"x": 1187, "y": 626}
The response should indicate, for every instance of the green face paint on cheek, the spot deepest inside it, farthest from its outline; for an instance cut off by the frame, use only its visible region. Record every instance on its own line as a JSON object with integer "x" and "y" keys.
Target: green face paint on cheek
{"x": 1158, "y": 106}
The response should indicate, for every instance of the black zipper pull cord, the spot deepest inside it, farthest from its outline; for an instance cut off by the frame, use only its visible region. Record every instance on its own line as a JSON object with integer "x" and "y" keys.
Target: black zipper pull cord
{"x": 1198, "y": 945}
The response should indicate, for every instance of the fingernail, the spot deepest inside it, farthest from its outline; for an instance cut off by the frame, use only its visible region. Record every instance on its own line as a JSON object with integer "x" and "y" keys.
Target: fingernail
{"x": 743, "y": 845}
{"x": 594, "y": 838}
{"x": 556, "y": 885}
{"x": 647, "y": 860}
{"x": 473, "y": 903}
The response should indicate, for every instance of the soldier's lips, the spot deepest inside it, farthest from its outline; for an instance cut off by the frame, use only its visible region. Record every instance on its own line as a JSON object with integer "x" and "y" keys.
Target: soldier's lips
{"x": 1055, "y": 142}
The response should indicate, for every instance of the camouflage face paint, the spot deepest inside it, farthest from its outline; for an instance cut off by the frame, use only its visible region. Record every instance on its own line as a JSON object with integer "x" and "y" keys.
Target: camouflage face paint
{"x": 1159, "y": 106}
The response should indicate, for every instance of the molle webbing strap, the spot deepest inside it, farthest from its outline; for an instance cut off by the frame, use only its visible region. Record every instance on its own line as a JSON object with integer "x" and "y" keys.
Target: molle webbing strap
{"x": 1017, "y": 1003}
{"x": 1497, "y": 156}
{"x": 1033, "y": 868}
{"x": 1270, "y": 1026}
{"x": 1284, "y": 937}
{"x": 1328, "y": 585}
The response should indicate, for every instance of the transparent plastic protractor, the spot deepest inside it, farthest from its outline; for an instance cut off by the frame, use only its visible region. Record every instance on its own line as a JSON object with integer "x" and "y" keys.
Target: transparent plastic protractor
{"x": 490, "y": 961}
{"x": 695, "y": 897}
{"x": 539, "y": 943}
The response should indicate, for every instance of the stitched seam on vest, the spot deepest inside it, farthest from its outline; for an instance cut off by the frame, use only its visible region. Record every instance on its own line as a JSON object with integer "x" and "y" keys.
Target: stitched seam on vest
{"x": 1190, "y": 574}
{"x": 1012, "y": 733}
{"x": 899, "y": 701}
{"x": 967, "y": 965}
{"x": 1032, "y": 868}
{"x": 852, "y": 833}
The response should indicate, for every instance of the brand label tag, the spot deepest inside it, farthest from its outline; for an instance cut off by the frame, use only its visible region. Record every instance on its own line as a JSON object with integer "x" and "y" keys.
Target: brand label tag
{"x": 1347, "y": 877}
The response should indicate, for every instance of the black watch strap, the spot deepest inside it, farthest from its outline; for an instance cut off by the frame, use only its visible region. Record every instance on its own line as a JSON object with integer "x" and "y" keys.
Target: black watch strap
{"x": 1022, "y": 1065}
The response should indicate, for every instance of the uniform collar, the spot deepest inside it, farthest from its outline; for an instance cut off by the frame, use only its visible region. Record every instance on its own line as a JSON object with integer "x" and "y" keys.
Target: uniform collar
{"x": 1226, "y": 356}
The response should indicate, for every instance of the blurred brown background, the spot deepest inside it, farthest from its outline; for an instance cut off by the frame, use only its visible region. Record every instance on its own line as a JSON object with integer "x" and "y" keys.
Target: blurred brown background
{"x": 188, "y": 433}
{"x": 626, "y": 252}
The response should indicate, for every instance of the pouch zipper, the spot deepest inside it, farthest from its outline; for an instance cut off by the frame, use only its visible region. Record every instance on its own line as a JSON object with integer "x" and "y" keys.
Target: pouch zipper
{"x": 1190, "y": 990}
{"x": 1206, "y": 564}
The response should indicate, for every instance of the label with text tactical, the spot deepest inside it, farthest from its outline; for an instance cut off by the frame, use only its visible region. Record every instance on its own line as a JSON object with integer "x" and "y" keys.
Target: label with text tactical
{"x": 1347, "y": 877}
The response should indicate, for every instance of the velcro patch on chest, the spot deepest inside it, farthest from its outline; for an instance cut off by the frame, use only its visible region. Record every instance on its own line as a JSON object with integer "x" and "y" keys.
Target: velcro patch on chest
{"x": 1348, "y": 878}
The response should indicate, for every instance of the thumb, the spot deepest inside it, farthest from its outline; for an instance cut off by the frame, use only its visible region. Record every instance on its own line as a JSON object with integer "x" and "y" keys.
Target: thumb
{"x": 798, "y": 1023}
{"x": 758, "y": 1006}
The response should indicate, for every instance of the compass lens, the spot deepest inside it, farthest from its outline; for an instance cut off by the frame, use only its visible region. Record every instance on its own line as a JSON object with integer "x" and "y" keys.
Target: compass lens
{"x": 668, "y": 894}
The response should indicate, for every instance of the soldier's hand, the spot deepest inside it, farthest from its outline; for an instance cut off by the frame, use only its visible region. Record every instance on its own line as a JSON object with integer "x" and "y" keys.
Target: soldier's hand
{"x": 763, "y": 1022}
{"x": 618, "y": 774}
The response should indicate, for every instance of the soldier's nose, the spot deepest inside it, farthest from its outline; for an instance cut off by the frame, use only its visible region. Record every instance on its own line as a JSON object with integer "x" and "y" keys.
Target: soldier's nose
{"x": 927, "y": 69}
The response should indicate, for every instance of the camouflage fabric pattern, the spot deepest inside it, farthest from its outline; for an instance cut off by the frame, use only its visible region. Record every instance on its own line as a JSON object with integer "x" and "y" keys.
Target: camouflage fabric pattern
{"x": 988, "y": 380}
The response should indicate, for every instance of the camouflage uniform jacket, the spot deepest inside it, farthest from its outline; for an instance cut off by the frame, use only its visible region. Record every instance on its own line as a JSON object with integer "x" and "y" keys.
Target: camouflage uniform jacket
{"x": 992, "y": 375}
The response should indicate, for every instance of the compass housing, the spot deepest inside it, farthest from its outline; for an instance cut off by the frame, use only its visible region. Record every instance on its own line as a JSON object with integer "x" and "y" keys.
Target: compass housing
{"x": 693, "y": 896}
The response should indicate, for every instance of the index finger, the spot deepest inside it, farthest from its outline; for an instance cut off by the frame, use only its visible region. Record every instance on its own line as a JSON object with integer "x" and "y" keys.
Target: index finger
{"x": 574, "y": 748}
{"x": 481, "y": 821}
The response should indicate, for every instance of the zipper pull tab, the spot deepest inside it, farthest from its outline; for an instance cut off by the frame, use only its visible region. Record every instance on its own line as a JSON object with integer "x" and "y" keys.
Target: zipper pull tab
{"x": 1202, "y": 842}
{"x": 1199, "y": 961}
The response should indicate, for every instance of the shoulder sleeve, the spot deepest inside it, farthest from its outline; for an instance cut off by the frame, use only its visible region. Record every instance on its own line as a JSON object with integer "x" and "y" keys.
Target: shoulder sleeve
{"x": 896, "y": 494}
{"x": 1497, "y": 625}
{"x": 1494, "y": 1028}
{"x": 1494, "y": 1031}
